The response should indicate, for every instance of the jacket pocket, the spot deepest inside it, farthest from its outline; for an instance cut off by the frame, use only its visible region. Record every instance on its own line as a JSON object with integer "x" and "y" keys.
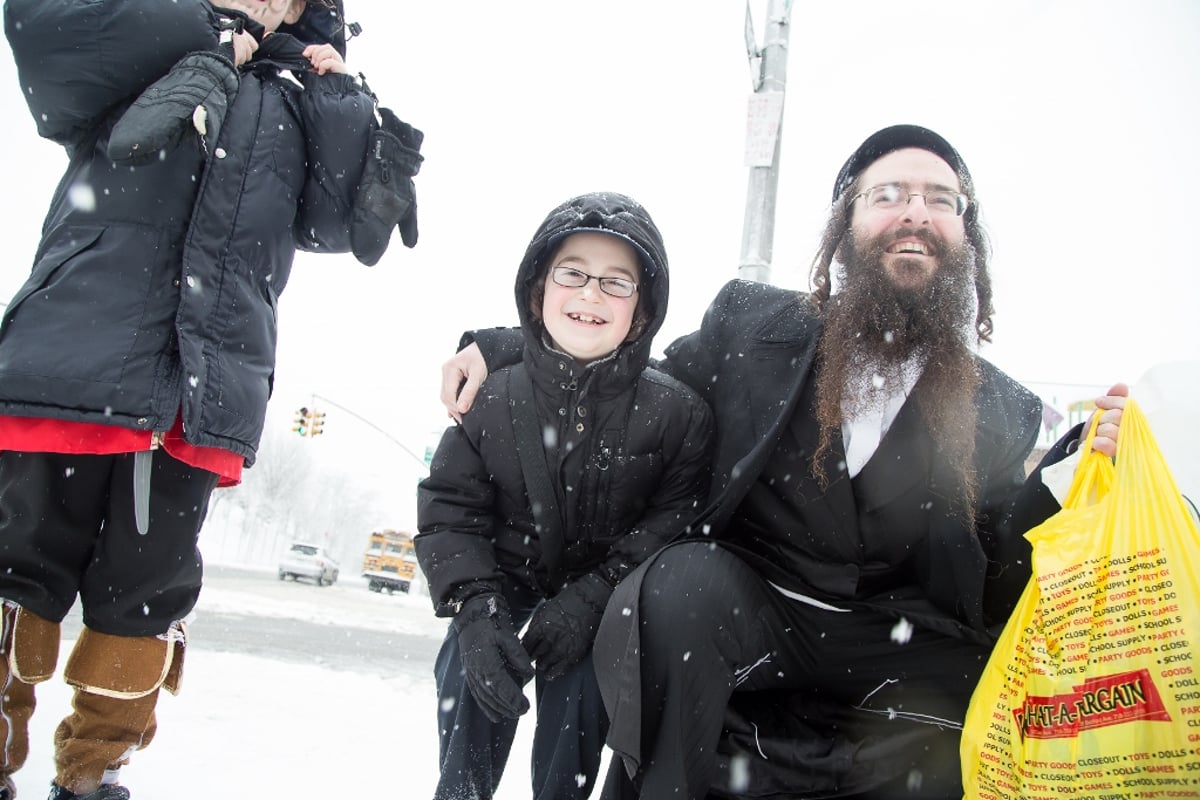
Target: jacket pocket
{"x": 98, "y": 308}
{"x": 53, "y": 253}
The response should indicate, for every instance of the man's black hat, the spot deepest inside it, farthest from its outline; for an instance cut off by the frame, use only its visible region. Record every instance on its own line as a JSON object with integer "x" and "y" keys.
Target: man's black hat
{"x": 898, "y": 137}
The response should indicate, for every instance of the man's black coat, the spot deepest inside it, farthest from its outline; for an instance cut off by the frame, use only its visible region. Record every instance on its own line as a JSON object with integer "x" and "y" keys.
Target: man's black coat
{"x": 750, "y": 360}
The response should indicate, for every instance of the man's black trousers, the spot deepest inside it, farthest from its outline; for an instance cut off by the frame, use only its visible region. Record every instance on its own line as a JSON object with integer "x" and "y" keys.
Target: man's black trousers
{"x": 891, "y": 698}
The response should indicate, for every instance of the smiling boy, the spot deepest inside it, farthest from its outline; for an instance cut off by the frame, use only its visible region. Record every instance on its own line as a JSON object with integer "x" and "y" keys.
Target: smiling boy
{"x": 588, "y": 315}
{"x": 575, "y": 466}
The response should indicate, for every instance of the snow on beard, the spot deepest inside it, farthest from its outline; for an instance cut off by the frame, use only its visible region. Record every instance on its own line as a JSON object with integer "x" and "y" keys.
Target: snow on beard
{"x": 873, "y": 325}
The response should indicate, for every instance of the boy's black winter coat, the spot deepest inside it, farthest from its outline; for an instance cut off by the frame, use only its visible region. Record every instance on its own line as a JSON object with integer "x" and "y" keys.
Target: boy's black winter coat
{"x": 627, "y": 446}
{"x": 154, "y": 288}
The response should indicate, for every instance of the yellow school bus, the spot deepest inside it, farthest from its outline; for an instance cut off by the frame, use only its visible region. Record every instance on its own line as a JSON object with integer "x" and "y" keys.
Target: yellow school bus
{"x": 390, "y": 562}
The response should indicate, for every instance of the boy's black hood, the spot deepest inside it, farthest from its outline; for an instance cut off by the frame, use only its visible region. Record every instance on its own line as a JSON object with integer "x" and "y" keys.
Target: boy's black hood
{"x": 607, "y": 212}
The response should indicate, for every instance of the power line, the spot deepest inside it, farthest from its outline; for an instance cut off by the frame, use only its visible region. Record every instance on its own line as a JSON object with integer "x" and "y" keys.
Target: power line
{"x": 368, "y": 422}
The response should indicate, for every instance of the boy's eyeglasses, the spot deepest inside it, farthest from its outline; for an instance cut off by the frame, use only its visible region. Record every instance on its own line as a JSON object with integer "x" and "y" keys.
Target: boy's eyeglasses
{"x": 575, "y": 279}
{"x": 892, "y": 196}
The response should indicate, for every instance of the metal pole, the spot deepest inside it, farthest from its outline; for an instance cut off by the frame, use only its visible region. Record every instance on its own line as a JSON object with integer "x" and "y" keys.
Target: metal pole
{"x": 758, "y": 230}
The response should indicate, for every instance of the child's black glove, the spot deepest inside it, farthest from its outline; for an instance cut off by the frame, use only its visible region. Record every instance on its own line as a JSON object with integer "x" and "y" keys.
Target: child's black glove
{"x": 563, "y": 628}
{"x": 495, "y": 663}
{"x": 386, "y": 197}
{"x": 194, "y": 95}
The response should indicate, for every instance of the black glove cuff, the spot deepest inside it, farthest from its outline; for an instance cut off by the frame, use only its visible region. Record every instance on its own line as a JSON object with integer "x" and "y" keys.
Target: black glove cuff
{"x": 399, "y": 143}
{"x": 410, "y": 137}
{"x": 594, "y": 590}
{"x": 481, "y": 607}
{"x": 393, "y": 154}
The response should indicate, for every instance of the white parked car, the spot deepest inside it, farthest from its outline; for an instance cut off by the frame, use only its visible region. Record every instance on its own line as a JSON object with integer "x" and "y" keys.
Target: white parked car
{"x": 312, "y": 561}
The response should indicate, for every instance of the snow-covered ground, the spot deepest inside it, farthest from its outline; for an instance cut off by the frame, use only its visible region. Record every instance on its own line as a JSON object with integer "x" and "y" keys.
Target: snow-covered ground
{"x": 248, "y": 727}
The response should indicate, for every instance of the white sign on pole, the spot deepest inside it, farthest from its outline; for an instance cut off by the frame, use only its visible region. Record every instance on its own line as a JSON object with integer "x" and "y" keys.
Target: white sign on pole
{"x": 763, "y": 117}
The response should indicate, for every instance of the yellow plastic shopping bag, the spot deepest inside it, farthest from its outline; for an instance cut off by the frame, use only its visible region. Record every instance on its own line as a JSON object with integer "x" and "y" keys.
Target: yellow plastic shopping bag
{"x": 1093, "y": 690}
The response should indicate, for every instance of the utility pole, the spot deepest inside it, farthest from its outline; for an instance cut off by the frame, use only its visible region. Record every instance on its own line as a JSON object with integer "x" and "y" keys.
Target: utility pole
{"x": 764, "y": 126}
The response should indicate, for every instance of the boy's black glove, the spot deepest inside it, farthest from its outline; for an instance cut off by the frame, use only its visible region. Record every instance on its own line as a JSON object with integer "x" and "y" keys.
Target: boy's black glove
{"x": 563, "y": 628}
{"x": 171, "y": 106}
{"x": 386, "y": 197}
{"x": 495, "y": 663}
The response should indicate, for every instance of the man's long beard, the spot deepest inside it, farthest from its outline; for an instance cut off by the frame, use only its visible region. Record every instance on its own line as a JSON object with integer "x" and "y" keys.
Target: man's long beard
{"x": 874, "y": 328}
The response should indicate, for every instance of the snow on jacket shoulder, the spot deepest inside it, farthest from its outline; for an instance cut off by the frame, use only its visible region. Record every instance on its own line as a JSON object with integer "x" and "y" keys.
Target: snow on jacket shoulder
{"x": 154, "y": 287}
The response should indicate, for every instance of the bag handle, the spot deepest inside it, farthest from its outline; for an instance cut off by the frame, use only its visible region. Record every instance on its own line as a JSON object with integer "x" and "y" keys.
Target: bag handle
{"x": 1094, "y": 475}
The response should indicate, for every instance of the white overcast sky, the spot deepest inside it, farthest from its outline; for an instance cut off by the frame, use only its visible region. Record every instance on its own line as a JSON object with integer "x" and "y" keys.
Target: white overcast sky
{"x": 1077, "y": 118}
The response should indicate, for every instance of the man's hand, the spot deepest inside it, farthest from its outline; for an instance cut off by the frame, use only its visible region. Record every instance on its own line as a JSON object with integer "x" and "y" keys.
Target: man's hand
{"x": 325, "y": 58}
{"x": 1110, "y": 408}
{"x": 461, "y": 377}
{"x": 244, "y": 47}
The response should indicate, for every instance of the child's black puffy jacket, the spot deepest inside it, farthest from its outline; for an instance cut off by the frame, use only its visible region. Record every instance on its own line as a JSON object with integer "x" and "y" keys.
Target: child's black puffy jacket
{"x": 627, "y": 446}
{"x": 154, "y": 287}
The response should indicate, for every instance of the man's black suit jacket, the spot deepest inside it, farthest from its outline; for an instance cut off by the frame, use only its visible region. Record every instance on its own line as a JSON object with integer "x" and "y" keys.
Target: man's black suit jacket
{"x": 751, "y": 359}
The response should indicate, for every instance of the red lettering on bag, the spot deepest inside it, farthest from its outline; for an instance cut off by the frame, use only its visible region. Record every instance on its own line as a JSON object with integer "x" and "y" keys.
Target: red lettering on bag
{"x": 1097, "y": 703}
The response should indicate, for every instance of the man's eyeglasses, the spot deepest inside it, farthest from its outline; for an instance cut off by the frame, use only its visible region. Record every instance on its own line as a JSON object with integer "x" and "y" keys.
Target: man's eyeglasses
{"x": 575, "y": 279}
{"x": 893, "y": 196}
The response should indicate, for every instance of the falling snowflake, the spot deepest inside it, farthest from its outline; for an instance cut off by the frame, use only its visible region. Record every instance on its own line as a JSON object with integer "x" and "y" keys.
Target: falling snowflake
{"x": 902, "y": 631}
{"x": 739, "y": 774}
{"x": 82, "y": 197}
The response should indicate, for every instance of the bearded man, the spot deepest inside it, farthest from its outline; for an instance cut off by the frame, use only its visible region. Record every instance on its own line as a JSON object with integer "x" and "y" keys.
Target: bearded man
{"x": 820, "y": 631}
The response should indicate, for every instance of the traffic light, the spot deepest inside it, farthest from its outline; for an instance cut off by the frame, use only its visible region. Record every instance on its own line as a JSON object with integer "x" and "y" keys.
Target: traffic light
{"x": 300, "y": 422}
{"x": 316, "y": 423}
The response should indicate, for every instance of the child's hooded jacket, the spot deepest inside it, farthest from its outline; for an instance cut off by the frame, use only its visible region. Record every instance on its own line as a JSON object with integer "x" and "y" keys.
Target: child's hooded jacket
{"x": 627, "y": 446}
{"x": 154, "y": 288}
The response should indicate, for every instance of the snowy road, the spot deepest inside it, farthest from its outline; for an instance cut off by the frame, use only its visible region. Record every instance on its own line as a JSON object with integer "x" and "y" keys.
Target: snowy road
{"x": 341, "y": 627}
